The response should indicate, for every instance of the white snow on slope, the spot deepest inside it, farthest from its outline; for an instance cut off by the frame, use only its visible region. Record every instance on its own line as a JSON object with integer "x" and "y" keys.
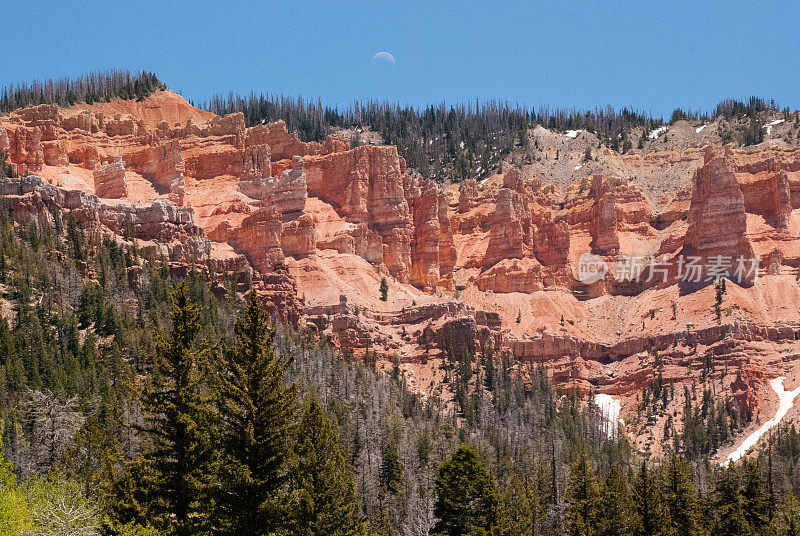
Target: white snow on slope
{"x": 579, "y": 166}
{"x": 786, "y": 401}
{"x": 609, "y": 409}
{"x": 657, "y": 132}
{"x": 573, "y": 133}
{"x": 699, "y": 129}
{"x": 772, "y": 124}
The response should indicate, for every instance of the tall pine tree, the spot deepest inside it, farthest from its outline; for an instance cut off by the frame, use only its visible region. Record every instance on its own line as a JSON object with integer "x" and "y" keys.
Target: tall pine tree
{"x": 256, "y": 410}
{"x": 649, "y": 514}
{"x": 178, "y": 417}
{"x": 679, "y": 497}
{"x": 325, "y": 501}
{"x": 466, "y": 499}
{"x": 583, "y": 499}
{"x": 616, "y": 504}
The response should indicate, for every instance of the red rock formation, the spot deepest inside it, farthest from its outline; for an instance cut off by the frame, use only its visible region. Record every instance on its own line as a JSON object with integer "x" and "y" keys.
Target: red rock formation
{"x": 432, "y": 251}
{"x": 258, "y": 238}
{"x": 256, "y": 164}
{"x": 509, "y": 235}
{"x": 366, "y": 185}
{"x": 109, "y": 180}
{"x": 298, "y": 237}
{"x": 717, "y": 222}
{"x": 168, "y": 169}
{"x": 288, "y": 192}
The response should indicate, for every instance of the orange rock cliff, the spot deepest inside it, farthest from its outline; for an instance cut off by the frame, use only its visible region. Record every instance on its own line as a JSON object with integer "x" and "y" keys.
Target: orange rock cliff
{"x": 471, "y": 267}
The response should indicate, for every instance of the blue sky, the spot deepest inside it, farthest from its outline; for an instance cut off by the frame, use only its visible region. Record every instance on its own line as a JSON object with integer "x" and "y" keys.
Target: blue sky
{"x": 650, "y": 55}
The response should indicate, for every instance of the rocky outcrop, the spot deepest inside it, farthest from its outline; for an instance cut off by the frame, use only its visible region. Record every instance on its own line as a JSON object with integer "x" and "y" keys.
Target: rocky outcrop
{"x": 510, "y": 231}
{"x": 767, "y": 194}
{"x": 163, "y": 229}
{"x": 366, "y": 185}
{"x": 258, "y": 238}
{"x": 168, "y": 169}
{"x": 298, "y": 237}
{"x": 432, "y": 251}
{"x": 256, "y": 164}
{"x": 25, "y": 148}
{"x": 467, "y": 195}
{"x": 287, "y": 192}
{"x": 551, "y": 241}
{"x": 109, "y": 180}
{"x": 604, "y": 228}
{"x": 717, "y": 222}
{"x": 284, "y": 145}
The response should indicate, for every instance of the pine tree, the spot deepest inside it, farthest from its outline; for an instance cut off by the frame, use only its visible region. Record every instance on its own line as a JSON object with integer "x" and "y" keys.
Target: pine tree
{"x": 583, "y": 499}
{"x": 791, "y": 516}
{"x": 729, "y": 517}
{"x": 755, "y": 501}
{"x": 521, "y": 508}
{"x": 391, "y": 469}
{"x": 466, "y": 499}
{"x": 178, "y": 425}
{"x": 615, "y": 519}
{"x": 256, "y": 411}
{"x": 679, "y": 497}
{"x": 384, "y": 289}
{"x": 325, "y": 501}
{"x": 649, "y": 515}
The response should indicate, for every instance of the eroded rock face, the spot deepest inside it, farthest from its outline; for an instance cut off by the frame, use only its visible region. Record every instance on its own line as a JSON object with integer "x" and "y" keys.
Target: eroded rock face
{"x": 284, "y": 145}
{"x": 366, "y": 185}
{"x": 510, "y": 230}
{"x": 293, "y": 217}
{"x": 433, "y": 254}
{"x": 256, "y": 164}
{"x": 258, "y": 238}
{"x": 298, "y": 237}
{"x": 163, "y": 228}
{"x": 287, "y": 193}
{"x": 717, "y": 221}
{"x": 109, "y": 180}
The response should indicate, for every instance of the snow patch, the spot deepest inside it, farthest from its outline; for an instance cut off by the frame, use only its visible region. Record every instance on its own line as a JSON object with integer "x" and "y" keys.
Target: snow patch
{"x": 699, "y": 129}
{"x": 772, "y": 124}
{"x": 657, "y": 132}
{"x": 579, "y": 166}
{"x": 609, "y": 409}
{"x": 573, "y": 133}
{"x": 786, "y": 401}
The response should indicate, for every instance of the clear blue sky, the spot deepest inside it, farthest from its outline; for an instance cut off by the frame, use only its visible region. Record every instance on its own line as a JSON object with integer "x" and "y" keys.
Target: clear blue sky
{"x": 651, "y": 55}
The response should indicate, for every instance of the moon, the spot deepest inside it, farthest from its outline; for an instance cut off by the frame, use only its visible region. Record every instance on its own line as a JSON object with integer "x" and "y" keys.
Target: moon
{"x": 384, "y": 57}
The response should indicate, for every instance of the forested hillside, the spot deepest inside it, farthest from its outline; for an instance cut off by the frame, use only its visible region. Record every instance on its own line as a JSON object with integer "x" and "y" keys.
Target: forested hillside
{"x": 134, "y": 400}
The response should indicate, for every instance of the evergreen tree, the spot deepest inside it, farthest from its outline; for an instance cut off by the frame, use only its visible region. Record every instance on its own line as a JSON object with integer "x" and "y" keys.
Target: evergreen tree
{"x": 391, "y": 469}
{"x": 178, "y": 425}
{"x": 384, "y": 289}
{"x": 583, "y": 499}
{"x": 649, "y": 515}
{"x": 325, "y": 500}
{"x": 755, "y": 500}
{"x": 679, "y": 497}
{"x": 729, "y": 517}
{"x": 521, "y": 508}
{"x": 791, "y": 517}
{"x": 615, "y": 519}
{"x": 256, "y": 411}
{"x": 466, "y": 499}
